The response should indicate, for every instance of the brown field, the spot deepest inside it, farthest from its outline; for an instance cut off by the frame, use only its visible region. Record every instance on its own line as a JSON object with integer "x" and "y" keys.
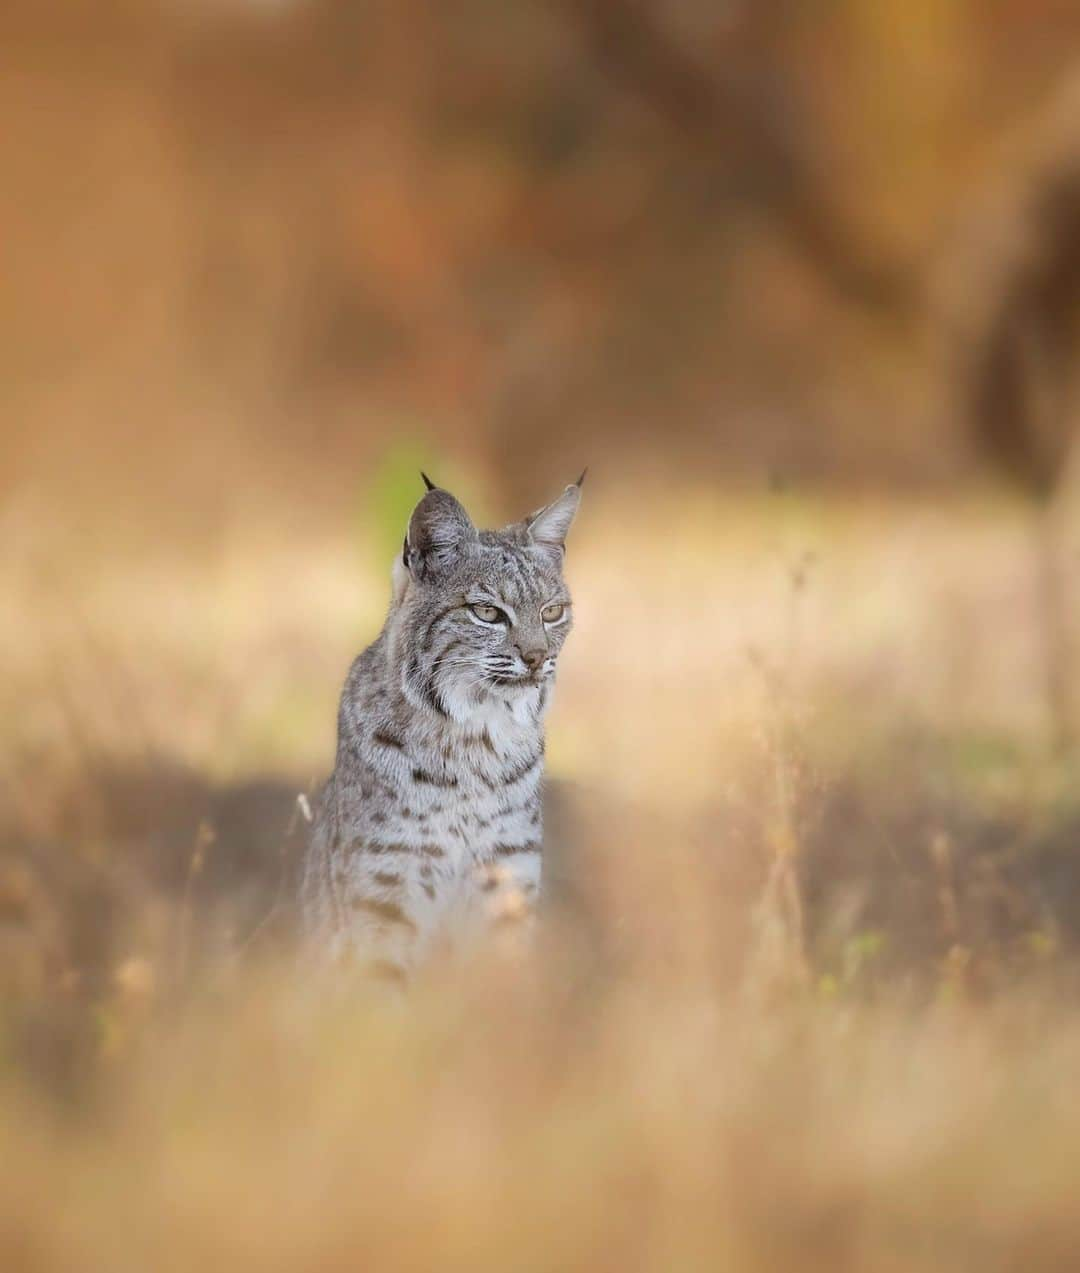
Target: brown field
{"x": 800, "y": 283}
{"x": 803, "y": 998}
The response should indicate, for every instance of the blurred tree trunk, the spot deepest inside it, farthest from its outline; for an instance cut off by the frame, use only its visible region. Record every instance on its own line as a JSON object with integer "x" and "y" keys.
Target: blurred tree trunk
{"x": 740, "y": 116}
{"x": 1019, "y": 384}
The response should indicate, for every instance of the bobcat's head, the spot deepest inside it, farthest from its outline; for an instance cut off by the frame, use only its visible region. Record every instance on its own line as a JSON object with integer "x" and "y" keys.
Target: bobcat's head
{"x": 480, "y": 615}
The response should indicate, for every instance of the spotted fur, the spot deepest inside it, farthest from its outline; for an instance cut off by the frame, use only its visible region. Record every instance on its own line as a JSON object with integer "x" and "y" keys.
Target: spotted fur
{"x": 435, "y": 795}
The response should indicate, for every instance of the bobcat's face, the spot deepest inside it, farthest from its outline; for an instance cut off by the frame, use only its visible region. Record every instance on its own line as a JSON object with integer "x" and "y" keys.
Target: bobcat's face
{"x": 514, "y": 617}
{"x": 483, "y": 614}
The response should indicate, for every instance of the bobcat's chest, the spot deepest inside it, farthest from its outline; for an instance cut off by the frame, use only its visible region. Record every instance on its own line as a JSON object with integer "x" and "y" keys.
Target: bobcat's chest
{"x": 472, "y": 807}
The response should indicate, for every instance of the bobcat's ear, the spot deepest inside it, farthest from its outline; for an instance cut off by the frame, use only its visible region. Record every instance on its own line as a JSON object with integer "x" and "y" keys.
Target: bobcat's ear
{"x": 439, "y": 530}
{"x": 549, "y": 526}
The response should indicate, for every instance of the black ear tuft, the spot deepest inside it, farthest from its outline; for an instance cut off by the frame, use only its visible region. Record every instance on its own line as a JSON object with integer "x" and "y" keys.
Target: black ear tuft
{"x": 428, "y": 482}
{"x": 581, "y": 480}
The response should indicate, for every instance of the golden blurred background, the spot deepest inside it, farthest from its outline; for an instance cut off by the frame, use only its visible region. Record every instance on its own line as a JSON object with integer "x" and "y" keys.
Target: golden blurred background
{"x": 247, "y": 244}
{"x": 800, "y": 283}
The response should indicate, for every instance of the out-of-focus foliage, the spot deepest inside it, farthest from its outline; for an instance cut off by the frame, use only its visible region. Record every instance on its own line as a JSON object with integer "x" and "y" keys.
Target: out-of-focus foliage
{"x": 241, "y": 237}
{"x": 804, "y": 997}
{"x": 805, "y": 994}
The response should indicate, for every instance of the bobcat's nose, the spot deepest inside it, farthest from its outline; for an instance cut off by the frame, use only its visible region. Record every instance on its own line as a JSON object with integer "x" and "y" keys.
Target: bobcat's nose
{"x": 533, "y": 658}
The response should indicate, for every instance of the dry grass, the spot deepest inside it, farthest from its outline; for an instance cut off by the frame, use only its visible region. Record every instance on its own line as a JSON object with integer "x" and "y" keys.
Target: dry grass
{"x": 805, "y": 1001}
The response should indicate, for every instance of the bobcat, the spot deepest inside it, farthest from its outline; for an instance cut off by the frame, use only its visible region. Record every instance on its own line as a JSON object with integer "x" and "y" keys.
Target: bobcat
{"x": 435, "y": 795}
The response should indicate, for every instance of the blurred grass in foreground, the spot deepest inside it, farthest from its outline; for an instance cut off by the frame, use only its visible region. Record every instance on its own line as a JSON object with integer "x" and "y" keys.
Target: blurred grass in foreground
{"x": 510, "y": 1120}
{"x": 805, "y": 999}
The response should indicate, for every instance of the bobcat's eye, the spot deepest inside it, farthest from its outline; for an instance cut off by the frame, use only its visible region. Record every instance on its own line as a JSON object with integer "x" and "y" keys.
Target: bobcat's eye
{"x": 553, "y": 614}
{"x": 488, "y": 614}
